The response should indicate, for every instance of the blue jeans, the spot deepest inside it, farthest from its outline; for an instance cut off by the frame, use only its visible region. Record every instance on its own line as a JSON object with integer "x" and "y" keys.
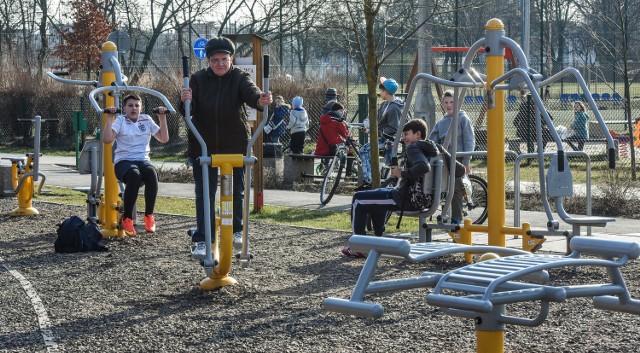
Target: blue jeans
{"x": 365, "y": 156}
{"x": 376, "y": 203}
{"x": 238, "y": 199}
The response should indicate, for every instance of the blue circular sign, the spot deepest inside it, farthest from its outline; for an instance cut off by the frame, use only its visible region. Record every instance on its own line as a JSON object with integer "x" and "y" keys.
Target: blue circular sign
{"x": 198, "y": 48}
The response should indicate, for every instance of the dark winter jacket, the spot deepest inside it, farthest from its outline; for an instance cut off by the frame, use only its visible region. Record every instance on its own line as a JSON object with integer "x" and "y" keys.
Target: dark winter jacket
{"x": 218, "y": 111}
{"x": 278, "y": 120}
{"x": 525, "y": 123}
{"x": 416, "y": 164}
{"x": 389, "y": 117}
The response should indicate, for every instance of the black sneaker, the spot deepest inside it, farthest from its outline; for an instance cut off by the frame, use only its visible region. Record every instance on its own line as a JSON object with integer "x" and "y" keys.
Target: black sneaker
{"x": 363, "y": 187}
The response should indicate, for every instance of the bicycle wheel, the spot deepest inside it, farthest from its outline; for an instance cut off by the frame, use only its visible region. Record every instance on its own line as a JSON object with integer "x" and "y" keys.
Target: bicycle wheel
{"x": 475, "y": 205}
{"x": 332, "y": 178}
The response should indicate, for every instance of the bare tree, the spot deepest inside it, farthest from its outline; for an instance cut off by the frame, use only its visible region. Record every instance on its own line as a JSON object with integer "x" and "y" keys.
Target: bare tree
{"x": 612, "y": 16}
{"x": 561, "y": 14}
{"x": 44, "y": 39}
{"x": 9, "y": 13}
{"x": 80, "y": 49}
{"x": 373, "y": 30}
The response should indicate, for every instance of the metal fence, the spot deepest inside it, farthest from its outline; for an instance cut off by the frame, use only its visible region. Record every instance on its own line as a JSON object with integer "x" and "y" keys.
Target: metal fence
{"x": 60, "y": 135}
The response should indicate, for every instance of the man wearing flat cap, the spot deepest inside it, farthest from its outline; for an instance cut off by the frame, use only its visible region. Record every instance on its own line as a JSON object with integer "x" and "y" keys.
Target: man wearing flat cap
{"x": 218, "y": 94}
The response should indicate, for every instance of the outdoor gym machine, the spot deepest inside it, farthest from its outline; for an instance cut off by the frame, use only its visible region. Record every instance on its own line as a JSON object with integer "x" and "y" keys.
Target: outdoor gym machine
{"x": 219, "y": 252}
{"x": 483, "y": 290}
{"x": 521, "y": 77}
{"x": 24, "y": 175}
{"x": 105, "y": 207}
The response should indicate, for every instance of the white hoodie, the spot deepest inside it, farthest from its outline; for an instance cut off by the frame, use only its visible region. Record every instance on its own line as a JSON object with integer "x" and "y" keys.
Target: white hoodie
{"x": 298, "y": 120}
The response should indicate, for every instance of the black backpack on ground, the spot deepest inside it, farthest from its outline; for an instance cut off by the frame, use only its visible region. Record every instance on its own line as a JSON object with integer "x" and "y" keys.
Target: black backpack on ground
{"x": 74, "y": 235}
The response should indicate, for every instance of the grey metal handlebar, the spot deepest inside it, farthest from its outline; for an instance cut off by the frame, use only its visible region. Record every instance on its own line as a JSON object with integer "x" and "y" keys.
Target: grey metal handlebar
{"x": 73, "y": 82}
{"x": 98, "y": 109}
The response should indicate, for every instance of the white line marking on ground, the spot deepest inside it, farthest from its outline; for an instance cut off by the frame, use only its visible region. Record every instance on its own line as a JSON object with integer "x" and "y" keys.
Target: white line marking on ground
{"x": 38, "y": 307}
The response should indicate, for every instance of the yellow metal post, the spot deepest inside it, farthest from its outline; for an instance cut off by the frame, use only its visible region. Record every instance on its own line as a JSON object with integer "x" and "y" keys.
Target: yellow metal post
{"x": 109, "y": 212}
{"x": 25, "y": 195}
{"x": 490, "y": 341}
{"x": 495, "y": 134}
{"x": 220, "y": 276}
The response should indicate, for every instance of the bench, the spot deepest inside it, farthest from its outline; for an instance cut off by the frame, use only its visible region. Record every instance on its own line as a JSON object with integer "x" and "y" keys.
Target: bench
{"x": 298, "y": 167}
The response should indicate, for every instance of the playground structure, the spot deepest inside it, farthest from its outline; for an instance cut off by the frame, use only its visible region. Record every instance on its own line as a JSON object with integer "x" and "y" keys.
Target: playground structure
{"x": 105, "y": 209}
{"x": 24, "y": 174}
{"x": 482, "y": 290}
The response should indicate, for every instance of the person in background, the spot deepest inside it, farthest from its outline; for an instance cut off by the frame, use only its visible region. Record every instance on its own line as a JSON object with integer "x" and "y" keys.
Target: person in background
{"x": 298, "y": 125}
{"x": 132, "y": 132}
{"x": 332, "y": 131}
{"x": 580, "y": 131}
{"x": 465, "y": 142}
{"x": 278, "y": 120}
{"x": 525, "y": 121}
{"x": 331, "y": 96}
{"x": 388, "y": 120}
{"x": 218, "y": 95}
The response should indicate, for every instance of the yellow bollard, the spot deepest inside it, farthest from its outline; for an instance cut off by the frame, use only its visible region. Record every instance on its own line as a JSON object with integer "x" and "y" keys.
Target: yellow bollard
{"x": 220, "y": 276}
{"x": 490, "y": 341}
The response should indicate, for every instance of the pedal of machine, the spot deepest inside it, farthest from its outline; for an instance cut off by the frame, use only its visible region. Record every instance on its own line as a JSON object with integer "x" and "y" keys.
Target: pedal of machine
{"x": 250, "y": 256}
{"x": 215, "y": 262}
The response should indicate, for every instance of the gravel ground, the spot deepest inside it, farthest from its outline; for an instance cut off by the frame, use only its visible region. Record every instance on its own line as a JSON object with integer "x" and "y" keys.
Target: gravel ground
{"x": 143, "y": 295}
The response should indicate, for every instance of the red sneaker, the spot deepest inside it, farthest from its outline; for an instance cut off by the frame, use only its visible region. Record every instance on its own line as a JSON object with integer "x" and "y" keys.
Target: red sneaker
{"x": 346, "y": 251}
{"x": 127, "y": 226}
{"x": 150, "y": 223}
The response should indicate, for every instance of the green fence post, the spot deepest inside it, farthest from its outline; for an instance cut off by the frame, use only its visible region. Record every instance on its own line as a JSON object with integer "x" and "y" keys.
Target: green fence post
{"x": 79, "y": 125}
{"x": 363, "y": 112}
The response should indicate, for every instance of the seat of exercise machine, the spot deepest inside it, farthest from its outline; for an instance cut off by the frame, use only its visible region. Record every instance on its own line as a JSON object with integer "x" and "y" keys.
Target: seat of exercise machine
{"x": 559, "y": 185}
{"x": 477, "y": 288}
{"x": 432, "y": 185}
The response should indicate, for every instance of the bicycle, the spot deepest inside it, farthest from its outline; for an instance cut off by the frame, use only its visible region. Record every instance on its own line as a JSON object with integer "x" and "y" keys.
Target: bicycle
{"x": 332, "y": 170}
{"x": 474, "y": 202}
{"x": 474, "y": 199}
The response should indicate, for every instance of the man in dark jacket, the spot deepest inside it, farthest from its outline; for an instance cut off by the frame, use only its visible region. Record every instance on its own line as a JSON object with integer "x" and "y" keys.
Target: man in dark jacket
{"x": 218, "y": 95}
{"x": 376, "y": 203}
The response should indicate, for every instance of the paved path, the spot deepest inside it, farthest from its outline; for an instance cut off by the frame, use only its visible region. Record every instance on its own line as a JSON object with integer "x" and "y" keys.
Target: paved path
{"x": 58, "y": 174}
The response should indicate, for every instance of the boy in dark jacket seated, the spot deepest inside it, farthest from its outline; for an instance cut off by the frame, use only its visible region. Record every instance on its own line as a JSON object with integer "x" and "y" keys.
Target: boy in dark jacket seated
{"x": 376, "y": 203}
